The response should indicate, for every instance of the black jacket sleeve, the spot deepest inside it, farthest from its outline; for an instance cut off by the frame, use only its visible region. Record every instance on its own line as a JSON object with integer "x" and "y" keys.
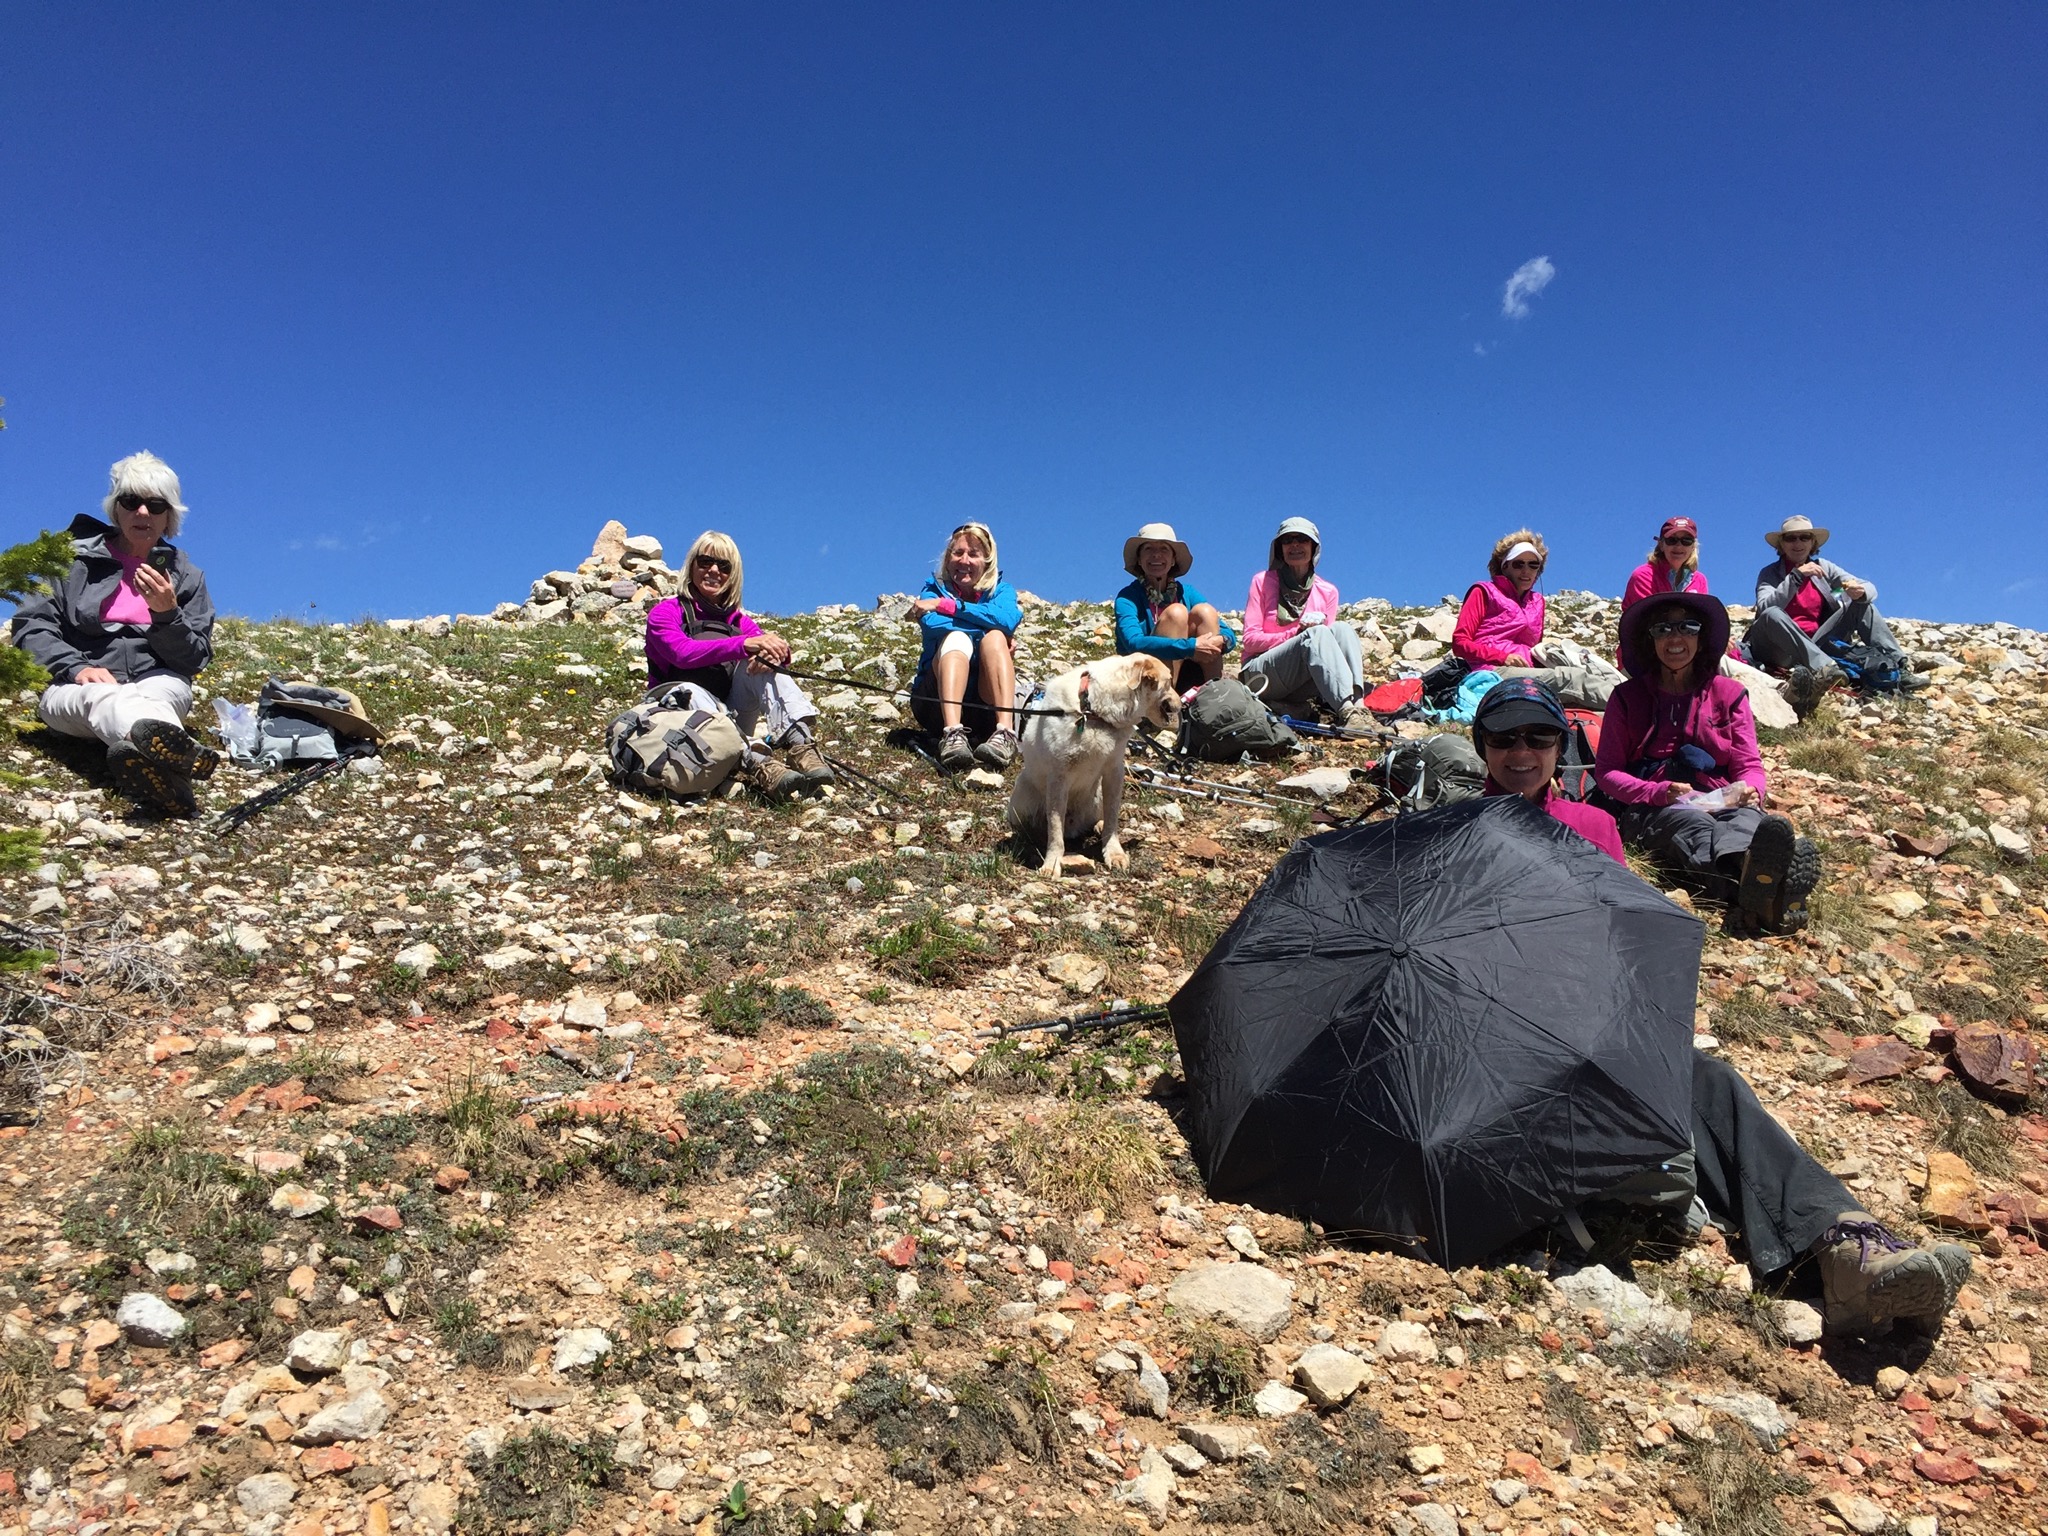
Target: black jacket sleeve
{"x": 183, "y": 638}
{"x": 39, "y": 630}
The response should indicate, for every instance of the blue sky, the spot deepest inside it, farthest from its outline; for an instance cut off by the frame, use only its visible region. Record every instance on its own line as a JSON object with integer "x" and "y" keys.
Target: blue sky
{"x": 415, "y": 298}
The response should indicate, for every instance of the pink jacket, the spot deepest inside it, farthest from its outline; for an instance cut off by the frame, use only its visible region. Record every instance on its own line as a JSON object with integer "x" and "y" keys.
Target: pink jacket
{"x": 1263, "y": 630}
{"x": 1643, "y": 721}
{"x": 1589, "y": 821}
{"x": 1653, "y": 577}
{"x": 1496, "y": 627}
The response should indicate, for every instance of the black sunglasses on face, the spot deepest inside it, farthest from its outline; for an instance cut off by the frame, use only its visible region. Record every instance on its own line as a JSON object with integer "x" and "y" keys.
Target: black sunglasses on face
{"x": 1666, "y": 628}
{"x": 1525, "y": 565}
{"x": 713, "y": 563}
{"x": 155, "y": 505}
{"x": 1681, "y": 538}
{"x": 1540, "y": 738}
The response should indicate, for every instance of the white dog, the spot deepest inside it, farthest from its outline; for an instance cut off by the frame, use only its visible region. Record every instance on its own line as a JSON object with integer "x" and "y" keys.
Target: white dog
{"x": 1073, "y": 763}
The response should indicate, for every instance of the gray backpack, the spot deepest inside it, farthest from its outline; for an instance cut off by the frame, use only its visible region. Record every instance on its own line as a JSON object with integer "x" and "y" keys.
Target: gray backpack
{"x": 1437, "y": 770}
{"x": 1225, "y": 720}
{"x": 677, "y": 741}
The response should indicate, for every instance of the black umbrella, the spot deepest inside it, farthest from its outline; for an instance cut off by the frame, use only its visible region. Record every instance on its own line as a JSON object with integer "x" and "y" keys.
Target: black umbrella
{"x": 1443, "y": 1030}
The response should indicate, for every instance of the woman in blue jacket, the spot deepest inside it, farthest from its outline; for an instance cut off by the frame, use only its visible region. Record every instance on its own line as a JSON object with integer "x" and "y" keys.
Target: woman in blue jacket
{"x": 1161, "y": 615}
{"x": 966, "y": 675}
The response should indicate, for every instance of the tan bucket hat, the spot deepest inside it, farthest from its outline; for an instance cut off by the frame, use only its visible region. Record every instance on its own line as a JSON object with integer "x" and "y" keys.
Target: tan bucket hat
{"x": 1796, "y": 524}
{"x": 336, "y": 708}
{"x": 1157, "y": 533}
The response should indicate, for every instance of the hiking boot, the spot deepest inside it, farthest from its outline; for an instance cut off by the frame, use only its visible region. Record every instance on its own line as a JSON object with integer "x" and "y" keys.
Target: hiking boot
{"x": 768, "y": 778}
{"x": 1788, "y": 913}
{"x": 1356, "y": 717}
{"x": 149, "y": 783}
{"x": 173, "y": 747}
{"x": 1000, "y": 750}
{"x": 1766, "y": 866}
{"x": 1872, "y": 1279}
{"x": 955, "y": 752}
{"x": 811, "y": 766}
{"x": 1913, "y": 682}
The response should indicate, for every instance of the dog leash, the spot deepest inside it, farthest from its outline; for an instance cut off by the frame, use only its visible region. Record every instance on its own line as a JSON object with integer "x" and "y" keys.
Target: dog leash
{"x": 1019, "y": 710}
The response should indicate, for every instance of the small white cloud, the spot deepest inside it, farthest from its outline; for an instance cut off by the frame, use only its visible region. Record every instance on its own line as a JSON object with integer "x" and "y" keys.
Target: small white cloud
{"x": 1479, "y": 349}
{"x": 1530, "y": 279}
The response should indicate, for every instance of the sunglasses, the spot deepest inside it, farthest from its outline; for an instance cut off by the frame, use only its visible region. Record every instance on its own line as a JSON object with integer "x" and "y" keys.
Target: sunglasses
{"x": 1525, "y": 565}
{"x": 1795, "y": 538}
{"x": 154, "y": 505}
{"x": 713, "y": 563}
{"x": 1538, "y": 738}
{"x": 1681, "y": 538}
{"x": 1665, "y": 629}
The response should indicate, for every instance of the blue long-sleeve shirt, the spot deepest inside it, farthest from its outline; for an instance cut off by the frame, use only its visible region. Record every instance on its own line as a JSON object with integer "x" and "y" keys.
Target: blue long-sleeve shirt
{"x": 998, "y": 609}
{"x": 1134, "y": 625}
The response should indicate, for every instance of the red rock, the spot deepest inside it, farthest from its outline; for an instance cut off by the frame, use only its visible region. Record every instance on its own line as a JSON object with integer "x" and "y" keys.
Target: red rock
{"x": 2024, "y": 1213}
{"x": 1952, "y": 1198}
{"x": 322, "y": 1460}
{"x": 498, "y": 1029}
{"x": 1995, "y": 1060}
{"x": 380, "y": 1218}
{"x": 1930, "y": 846}
{"x": 1913, "y": 1402}
{"x": 2025, "y": 1420}
{"x": 162, "y": 1437}
{"x": 902, "y": 1253}
{"x": 1885, "y": 1059}
{"x": 2012, "y": 1360}
{"x": 8, "y": 1487}
{"x": 225, "y": 1353}
{"x": 1206, "y": 849}
{"x": 1867, "y": 1104}
{"x": 99, "y": 1333}
{"x": 1060, "y": 1269}
{"x": 1945, "y": 1469}
{"x": 450, "y": 1178}
{"x": 166, "y": 1046}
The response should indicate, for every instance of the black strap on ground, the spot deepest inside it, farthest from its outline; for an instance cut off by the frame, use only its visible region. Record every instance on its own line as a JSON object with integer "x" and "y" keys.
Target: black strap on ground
{"x": 237, "y": 817}
{"x": 842, "y": 681}
{"x": 842, "y": 766}
{"x": 1114, "y": 1018}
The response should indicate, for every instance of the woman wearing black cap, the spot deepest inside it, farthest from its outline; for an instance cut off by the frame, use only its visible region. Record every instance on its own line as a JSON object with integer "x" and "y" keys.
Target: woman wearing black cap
{"x": 1678, "y": 760}
{"x": 1519, "y": 729}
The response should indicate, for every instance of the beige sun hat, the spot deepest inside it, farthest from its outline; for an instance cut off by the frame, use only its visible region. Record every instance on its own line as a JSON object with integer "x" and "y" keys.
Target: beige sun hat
{"x": 1157, "y": 533}
{"x": 1797, "y": 524}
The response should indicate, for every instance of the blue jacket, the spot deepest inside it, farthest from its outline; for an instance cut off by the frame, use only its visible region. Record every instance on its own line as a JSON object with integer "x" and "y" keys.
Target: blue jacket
{"x": 997, "y": 610}
{"x": 1134, "y": 625}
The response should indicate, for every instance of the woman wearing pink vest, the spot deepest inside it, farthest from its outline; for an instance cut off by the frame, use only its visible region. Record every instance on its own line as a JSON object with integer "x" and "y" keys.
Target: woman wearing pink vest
{"x": 1673, "y": 564}
{"x": 1501, "y": 622}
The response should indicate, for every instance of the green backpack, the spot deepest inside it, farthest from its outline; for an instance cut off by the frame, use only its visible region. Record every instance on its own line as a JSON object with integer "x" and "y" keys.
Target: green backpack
{"x": 1225, "y": 721}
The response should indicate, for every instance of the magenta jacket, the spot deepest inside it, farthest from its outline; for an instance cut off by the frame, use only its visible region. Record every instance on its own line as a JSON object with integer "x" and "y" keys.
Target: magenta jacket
{"x": 1263, "y": 630}
{"x": 671, "y": 651}
{"x": 1589, "y": 821}
{"x": 1495, "y": 625}
{"x": 1653, "y": 579}
{"x": 1643, "y": 721}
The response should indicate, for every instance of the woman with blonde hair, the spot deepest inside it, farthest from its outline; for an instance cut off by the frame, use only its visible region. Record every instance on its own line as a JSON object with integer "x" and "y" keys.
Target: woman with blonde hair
{"x": 124, "y": 634}
{"x": 701, "y": 636}
{"x": 1672, "y": 565}
{"x": 966, "y": 683}
{"x": 1501, "y": 621}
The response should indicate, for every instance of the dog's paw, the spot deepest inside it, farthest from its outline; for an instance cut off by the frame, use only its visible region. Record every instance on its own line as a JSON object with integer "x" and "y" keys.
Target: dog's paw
{"x": 1051, "y": 867}
{"x": 1114, "y": 857}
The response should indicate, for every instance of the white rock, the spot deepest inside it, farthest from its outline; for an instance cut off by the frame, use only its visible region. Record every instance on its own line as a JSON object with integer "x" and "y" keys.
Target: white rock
{"x": 353, "y": 1418}
{"x": 249, "y": 939}
{"x": 1146, "y": 1391}
{"x": 580, "y": 1347}
{"x": 1798, "y": 1322}
{"x": 1152, "y": 1489}
{"x": 2013, "y": 844}
{"x": 1859, "y": 1514}
{"x": 1276, "y": 1401}
{"x": 504, "y": 959}
{"x": 1434, "y": 1520}
{"x": 133, "y": 879}
{"x": 1077, "y": 972}
{"x": 267, "y": 1493}
{"x": 149, "y": 1320}
{"x": 258, "y": 1017}
{"x": 421, "y": 957}
{"x": 1223, "y": 1442}
{"x": 1247, "y": 1296}
{"x": 163, "y": 1262}
{"x": 1765, "y": 1419}
{"x": 1406, "y": 1341}
{"x": 1329, "y": 1375}
{"x": 1425, "y": 1459}
{"x": 317, "y": 1352}
{"x": 1507, "y": 1491}
{"x": 431, "y": 1505}
{"x": 584, "y": 1013}
{"x": 1657, "y": 1332}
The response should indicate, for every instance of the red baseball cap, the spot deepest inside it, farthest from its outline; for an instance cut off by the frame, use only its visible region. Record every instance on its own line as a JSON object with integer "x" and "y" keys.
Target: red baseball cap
{"x": 1678, "y": 525}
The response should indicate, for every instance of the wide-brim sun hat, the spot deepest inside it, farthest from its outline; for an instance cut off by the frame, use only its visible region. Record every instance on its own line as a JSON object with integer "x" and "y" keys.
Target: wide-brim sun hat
{"x": 1797, "y": 524}
{"x": 1517, "y": 701}
{"x": 1306, "y": 529}
{"x": 1158, "y": 533}
{"x": 1708, "y": 609}
{"x": 336, "y": 708}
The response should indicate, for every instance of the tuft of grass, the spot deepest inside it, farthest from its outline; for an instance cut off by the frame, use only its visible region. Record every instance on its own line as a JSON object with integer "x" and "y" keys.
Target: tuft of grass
{"x": 536, "y": 1485}
{"x": 1085, "y": 1155}
{"x": 1747, "y": 1017}
{"x": 1960, "y": 1124}
{"x": 741, "y": 1007}
{"x": 1733, "y": 1490}
{"x": 24, "y": 1370}
{"x": 1217, "y": 1370}
{"x": 20, "y": 848}
{"x": 1836, "y": 756}
{"x": 929, "y": 949}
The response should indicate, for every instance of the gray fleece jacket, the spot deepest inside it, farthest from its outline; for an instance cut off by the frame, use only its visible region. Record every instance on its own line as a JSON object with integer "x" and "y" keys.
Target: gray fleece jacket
{"x": 1777, "y": 585}
{"x": 64, "y": 631}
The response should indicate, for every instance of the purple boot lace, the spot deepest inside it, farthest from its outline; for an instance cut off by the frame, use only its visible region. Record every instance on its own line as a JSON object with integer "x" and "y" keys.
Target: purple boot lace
{"x": 1867, "y": 1235}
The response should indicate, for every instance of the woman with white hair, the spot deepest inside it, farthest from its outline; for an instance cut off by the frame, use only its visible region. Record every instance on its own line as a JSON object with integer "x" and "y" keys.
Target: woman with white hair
{"x": 123, "y": 636}
{"x": 701, "y": 636}
{"x": 966, "y": 681}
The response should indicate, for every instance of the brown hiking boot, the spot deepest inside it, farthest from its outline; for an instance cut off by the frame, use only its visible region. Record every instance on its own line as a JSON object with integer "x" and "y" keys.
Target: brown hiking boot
{"x": 173, "y": 747}
{"x": 1872, "y": 1278}
{"x": 956, "y": 752}
{"x": 810, "y": 763}
{"x": 150, "y": 783}
{"x": 768, "y": 778}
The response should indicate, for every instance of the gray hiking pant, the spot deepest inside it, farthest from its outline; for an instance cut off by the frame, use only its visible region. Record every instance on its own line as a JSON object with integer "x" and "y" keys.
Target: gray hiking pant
{"x": 1322, "y": 662}
{"x": 1775, "y": 642}
{"x": 1690, "y": 841}
{"x": 111, "y": 710}
{"x": 1575, "y": 687}
{"x": 1753, "y": 1177}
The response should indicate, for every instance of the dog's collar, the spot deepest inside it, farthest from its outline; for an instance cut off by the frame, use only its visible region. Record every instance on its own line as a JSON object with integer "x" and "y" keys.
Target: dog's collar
{"x": 1087, "y": 713}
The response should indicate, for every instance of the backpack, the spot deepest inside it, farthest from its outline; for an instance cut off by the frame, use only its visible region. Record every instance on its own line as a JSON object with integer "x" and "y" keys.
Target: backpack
{"x": 1581, "y": 746}
{"x": 1437, "y": 770}
{"x": 676, "y": 741}
{"x": 1225, "y": 720}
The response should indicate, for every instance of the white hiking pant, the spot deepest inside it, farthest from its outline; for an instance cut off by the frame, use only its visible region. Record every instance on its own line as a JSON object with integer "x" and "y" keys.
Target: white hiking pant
{"x": 776, "y": 696}
{"x": 111, "y": 710}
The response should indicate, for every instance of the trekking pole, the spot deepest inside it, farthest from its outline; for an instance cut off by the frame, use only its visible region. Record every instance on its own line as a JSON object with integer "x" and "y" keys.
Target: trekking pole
{"x": 236, "y": 817}
{"x": 854, "y": 773}
{"x": 904, "y": 693}
{"x": 1113, "y": 1018}
{"x": 1335, "y": 732}
{"x": 1181, "y": 783}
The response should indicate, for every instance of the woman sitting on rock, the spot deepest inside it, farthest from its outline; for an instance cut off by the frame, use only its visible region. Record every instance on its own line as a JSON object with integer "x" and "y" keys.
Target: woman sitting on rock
{"x": 966, "y": 683}
{"x": 1673, "y": 564}
{"x": 1752, "y": 1177}
{"x": 123, "y": 636}
{"x": 1163, "y": 616}
{"x": 1678, "y": 760}
{"x": 1810, "y": 612}
{"x": 1295, "y": 650}
{"x": 1500, "y": 623}
{"x": 701, "y": 636}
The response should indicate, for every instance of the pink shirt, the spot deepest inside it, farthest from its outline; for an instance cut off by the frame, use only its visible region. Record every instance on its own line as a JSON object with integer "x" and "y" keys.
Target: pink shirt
{"x": 125, "y": 604}
{"x": 1644, "y": 722}
{"x": 1653, "y": 578}
{"x": 1589, "y": 821}
{"x": 1263, "y": 630}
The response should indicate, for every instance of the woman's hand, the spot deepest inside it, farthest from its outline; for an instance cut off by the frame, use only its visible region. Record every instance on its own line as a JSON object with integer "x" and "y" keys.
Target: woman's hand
{"x": 1209, "y": 645}
{"x": 927, "y": 604}
{"x": 156, "y": 590}
{"x": 1517, "y": 659}
{"x": 1811, "y": 571}
{"x": 1675, "y": 790}
{"x": 1741, "y": 792}
{"x": 766, "y": 652}
{"x": 93, "y": 675}
{"x": 1855, "y": 590}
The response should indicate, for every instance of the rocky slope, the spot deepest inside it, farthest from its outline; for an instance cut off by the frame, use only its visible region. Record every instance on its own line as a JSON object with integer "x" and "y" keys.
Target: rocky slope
{"x": 467, "y": 1143}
